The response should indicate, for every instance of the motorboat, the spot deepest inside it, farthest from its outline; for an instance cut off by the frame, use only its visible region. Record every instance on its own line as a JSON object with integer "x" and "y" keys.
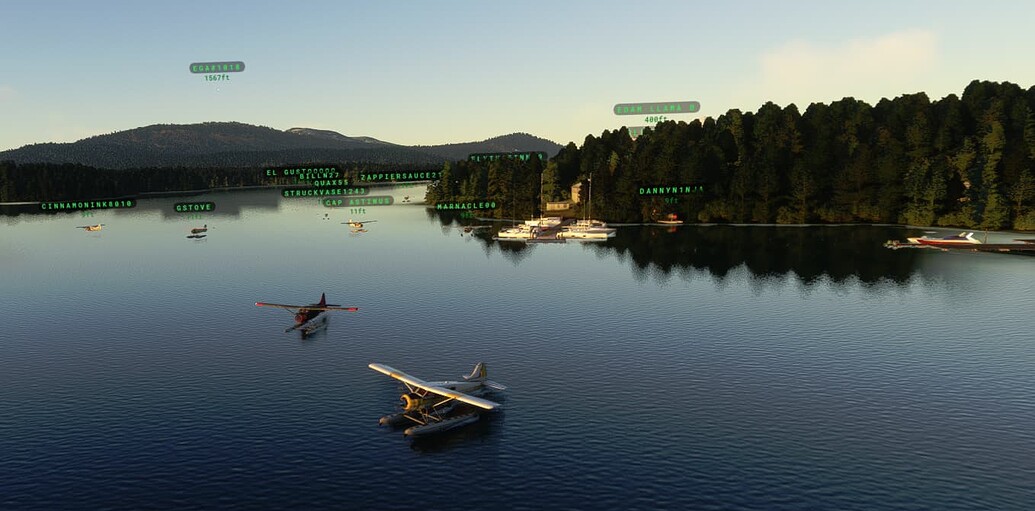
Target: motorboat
{"x": 545, "y": 222}
{"x": 518, "y": 232}
{"x": 587, "y": 232}
{"x": 963, "y": 238}
{"x": 591, "y": 223}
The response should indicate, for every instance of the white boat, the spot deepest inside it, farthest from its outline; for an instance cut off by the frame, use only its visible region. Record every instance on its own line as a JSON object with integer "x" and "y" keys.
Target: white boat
{"x": 586, "y": 232}
{"x": 544, "y": 222}
{"x": 591, "y": 223}
{"x": 518, "y": 232}
{"x": 588, "y": 228}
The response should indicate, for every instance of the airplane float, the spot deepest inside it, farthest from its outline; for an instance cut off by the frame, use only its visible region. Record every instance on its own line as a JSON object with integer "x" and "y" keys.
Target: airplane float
{"x": 309, "y": 318}
{"x": 439, "y": 406}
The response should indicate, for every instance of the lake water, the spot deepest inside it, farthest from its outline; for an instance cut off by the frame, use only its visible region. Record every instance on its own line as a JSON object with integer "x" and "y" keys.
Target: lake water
{"x": 768, "y": 368}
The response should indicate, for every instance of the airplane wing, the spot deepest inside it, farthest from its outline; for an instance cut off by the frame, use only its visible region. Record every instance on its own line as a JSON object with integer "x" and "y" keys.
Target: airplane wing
{"x": 280, "y": 305}
{"x": 421, "y": 384}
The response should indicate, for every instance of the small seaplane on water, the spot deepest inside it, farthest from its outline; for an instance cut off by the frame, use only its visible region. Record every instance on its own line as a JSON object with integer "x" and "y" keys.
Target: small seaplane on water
{"x": 90, "y": 228}
{"x": 309, "y": 318}
{"x": 358, "y": 225}
{"x": 439, "y": 406}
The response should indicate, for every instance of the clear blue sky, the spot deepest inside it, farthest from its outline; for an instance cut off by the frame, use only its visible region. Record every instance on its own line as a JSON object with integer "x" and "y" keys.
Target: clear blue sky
{"x": 453, "y": 71}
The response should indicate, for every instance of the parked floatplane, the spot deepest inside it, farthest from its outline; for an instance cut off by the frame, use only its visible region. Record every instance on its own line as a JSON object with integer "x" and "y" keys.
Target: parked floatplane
{"x": 309, "y": 318}
{"x": 434, "y": 407}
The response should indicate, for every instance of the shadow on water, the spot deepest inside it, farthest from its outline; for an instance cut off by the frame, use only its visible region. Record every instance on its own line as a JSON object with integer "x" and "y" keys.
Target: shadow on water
{"x": 477, "y": 432}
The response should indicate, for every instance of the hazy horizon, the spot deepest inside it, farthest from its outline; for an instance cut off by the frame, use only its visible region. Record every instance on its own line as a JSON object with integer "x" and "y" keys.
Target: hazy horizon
{"x": 429, "y": 74}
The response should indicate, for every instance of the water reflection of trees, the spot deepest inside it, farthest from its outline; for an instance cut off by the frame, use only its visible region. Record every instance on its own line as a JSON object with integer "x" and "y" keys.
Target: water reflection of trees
{"x": 812, "y": 254}
{"x": 451, "y": 223}
{"x": 770, "y": 254}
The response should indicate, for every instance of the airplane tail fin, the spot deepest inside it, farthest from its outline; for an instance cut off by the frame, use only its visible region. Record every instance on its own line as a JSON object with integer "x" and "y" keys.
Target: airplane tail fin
{"x": 479, "y": 373}
{"x": 323, "y": 299}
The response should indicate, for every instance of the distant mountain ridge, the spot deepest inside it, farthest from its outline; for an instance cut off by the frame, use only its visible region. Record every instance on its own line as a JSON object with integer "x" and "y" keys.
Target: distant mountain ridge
{"x": 234, "y": 144}
{"x": 501, "y": 144}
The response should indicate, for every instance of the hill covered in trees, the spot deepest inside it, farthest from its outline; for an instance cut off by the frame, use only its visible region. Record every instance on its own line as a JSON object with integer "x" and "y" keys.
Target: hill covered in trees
{"x": 959, "y": 161}
{"x": 515, "y": 142}
{"x": 239, "y": 145}
{"x": 216, "y": 144}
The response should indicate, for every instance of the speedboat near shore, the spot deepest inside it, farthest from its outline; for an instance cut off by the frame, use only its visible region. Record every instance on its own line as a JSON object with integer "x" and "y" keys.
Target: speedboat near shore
{"x": 963, "y": 238}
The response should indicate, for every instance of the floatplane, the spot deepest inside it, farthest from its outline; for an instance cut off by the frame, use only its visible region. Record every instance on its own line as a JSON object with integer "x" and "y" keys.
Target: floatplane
{"x": 90, "y": 228}
{"x": 434, "y": 407}
{"x": 358, "y": 225}
{"x": 309, "y": 318}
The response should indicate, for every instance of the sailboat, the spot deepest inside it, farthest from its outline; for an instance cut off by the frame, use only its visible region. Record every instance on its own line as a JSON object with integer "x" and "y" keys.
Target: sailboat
{"x": 531, "y": 229}
{"x": 518, "y": 231}
{"x": 543, "y": 222}
{"x": 588, "y": 228}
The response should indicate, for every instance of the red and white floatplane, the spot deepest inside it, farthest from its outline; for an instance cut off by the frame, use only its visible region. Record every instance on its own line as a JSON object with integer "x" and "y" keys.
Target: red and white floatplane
{"x": 309, "y": 318}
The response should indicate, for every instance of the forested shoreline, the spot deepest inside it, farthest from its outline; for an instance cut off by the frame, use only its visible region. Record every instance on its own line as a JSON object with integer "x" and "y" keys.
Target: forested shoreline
{"x": 964, "y": 161}
{"x": 54, "y": 181}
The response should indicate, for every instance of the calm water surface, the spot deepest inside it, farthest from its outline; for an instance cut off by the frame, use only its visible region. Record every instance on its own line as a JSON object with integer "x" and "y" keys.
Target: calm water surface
{"x": 727, "y": 367}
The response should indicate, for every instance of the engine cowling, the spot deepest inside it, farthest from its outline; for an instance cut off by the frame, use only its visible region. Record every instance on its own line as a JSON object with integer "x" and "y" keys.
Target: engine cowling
{"x": 413, "y": 401}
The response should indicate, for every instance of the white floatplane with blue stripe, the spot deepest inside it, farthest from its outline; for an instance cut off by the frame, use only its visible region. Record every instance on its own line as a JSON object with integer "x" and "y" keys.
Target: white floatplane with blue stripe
{"x": 433, "y": 407}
